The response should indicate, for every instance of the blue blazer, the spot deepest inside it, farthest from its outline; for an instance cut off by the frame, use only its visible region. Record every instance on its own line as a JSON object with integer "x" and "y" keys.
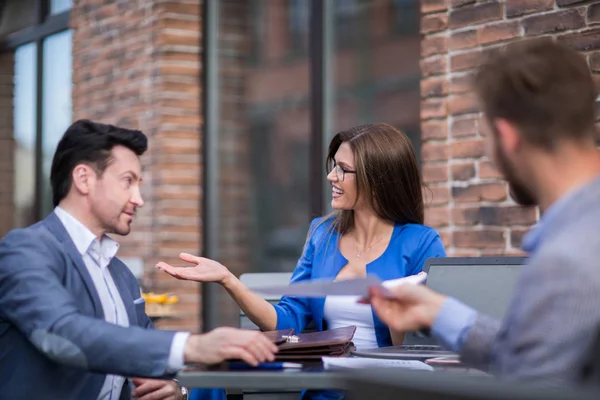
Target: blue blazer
{"x": 54, "y": 342}
{"x": 409, "y": 247}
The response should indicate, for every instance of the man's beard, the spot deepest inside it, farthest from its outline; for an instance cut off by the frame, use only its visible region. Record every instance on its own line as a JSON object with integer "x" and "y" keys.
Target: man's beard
{"x": 518, "y": 191}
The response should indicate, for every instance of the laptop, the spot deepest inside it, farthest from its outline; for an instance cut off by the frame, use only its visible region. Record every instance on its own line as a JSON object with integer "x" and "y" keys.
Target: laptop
{"x": 484, "y": 283}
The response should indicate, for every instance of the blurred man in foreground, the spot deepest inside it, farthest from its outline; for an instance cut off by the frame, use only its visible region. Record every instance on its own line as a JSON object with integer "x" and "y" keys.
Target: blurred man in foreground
{"x": 537, "y": 99}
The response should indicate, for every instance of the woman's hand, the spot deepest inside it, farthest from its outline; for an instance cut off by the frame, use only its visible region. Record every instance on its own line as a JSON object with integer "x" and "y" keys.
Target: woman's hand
{"x": 205, "y": 270}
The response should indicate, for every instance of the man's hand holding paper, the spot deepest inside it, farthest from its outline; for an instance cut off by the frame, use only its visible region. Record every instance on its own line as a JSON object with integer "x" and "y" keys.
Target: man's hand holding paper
{"x": 349, "y": 287}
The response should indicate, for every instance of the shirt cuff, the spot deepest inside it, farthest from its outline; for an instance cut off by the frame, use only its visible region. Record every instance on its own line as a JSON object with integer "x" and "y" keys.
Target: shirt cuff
{"x": 453, "y": 323}
{"x": 176, "y": 362}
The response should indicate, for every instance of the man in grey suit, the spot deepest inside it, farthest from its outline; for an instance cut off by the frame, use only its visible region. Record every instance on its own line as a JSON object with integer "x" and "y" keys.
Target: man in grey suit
{"x": 72, "y": 321}
{"x": 537, "y": 99}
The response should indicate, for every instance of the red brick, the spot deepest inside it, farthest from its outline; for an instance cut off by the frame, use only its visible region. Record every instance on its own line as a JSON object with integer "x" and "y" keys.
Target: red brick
{"x": 516, "y": 237}
{"x": 562, "y": 3}
{"x": 582, "y": 41}
{"x": 515, "y": 8}
{"x": 488, "y": 171}
{"x": 465, "y": 61}
{"x": 479, "y": 192}
{"x": 437, "y": 217}
{"x": 479, "y": 239}
{"x": 464, "y": 127}
{"x": 434, "y": 45}
{"x": 553, "y": 22}
{"x": 498, "y": 32}
{"x": 434, "y": 151}
{"x": 433, "y": 66}
{"x": 468, "y": 148}
{"x": 475, "y": 14}
{"x": 462, "y": 104}
{"x": 466, "y": 216}
{"x": 434, "y": 23}
{"x": 593, "y": 14}
{"x": 431, "y": 6}
{"x": 460, "y": 83}
{"x": 594, "y": 61}
{"x": 463, "y": 171}
{"x": 435, "y": 173}
{"x": 434, "y": 87}
{"x": 460, "y": 3}
{"x": 433, "y": 108}
{"x": 436, "y": 195}
{"x": 463, "y": 40}
{"x": 507, "y": 216}
{"x": 434, "y": 130}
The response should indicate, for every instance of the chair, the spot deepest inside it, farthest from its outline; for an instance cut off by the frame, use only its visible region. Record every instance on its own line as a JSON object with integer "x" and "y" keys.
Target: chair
{"x": 253, "y": 280}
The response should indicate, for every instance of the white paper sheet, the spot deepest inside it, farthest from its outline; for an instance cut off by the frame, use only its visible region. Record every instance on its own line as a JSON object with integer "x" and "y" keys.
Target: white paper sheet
{"x": 365, "y": 363}
{"x": 327, "y": 287}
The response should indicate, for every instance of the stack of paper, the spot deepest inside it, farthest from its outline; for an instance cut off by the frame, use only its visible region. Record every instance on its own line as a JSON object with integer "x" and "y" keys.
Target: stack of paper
{"x": 366, "y": 363}
{"x": 349, "y": 287}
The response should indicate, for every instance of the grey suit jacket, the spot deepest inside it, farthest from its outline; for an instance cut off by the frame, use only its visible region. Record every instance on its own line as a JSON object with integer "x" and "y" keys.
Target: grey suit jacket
{"x": 553, "y": 319}
{"x": 54, "y": 342}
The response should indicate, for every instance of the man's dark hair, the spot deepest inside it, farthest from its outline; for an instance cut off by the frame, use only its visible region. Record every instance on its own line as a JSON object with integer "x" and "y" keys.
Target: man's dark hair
{"x": 87, "y": 142}
{"x": 541, "y": 86}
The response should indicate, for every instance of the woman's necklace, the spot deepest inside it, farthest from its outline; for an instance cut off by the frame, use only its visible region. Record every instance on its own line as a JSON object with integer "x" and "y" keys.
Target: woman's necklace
{"x": 359, "y": 252}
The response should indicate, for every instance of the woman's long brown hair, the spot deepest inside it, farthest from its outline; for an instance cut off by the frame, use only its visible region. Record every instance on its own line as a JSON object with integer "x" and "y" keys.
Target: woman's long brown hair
{"x": 387, "y": 174}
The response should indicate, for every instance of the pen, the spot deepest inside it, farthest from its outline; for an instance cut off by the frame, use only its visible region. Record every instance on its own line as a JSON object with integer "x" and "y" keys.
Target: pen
{"x": 270, "y": 366}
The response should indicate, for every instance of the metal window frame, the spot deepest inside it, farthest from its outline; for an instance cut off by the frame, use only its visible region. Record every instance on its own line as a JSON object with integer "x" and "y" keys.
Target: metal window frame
{"x": 320, "y": 95}
{"x": 46, "y": 25}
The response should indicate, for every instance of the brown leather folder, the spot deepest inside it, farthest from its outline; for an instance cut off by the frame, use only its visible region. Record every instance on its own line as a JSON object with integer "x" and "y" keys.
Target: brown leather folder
{"x": 280, "y": 336}
{"x": 314, "y": 345}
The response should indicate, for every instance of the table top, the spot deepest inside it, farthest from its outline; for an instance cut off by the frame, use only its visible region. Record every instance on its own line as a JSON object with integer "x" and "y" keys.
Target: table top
{"x": 305, "y": 378}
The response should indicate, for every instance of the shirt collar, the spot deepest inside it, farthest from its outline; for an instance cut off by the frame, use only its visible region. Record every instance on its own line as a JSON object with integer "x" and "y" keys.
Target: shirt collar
{"x": 533, "y": 238}
{"x": 82, "y": 237}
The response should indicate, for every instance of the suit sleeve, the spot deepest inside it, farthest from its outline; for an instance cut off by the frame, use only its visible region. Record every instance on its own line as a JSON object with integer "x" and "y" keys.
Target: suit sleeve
{"x": 553, "y": 322}
{"x": 33, "y": 298}
{"x": 294, "y": 312}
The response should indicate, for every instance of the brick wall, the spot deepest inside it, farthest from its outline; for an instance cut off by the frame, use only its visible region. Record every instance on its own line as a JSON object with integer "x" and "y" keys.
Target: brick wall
{"x": 470, "y": 206}
{"x": 7, "y": 143}
{"x": 137, "y": 64}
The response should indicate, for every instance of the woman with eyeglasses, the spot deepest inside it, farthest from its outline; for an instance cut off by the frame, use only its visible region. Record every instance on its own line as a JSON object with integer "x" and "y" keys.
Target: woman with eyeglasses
{"x": 376, "y": 228}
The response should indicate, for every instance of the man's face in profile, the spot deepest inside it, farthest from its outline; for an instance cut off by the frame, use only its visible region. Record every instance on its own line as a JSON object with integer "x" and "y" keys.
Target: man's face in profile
{"x": 519, "y": 191}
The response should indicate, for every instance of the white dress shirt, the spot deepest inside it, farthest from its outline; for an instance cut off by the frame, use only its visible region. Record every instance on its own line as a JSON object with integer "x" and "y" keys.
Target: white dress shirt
{"x": 97, "y": 255}
{"x": 341, "y": 311}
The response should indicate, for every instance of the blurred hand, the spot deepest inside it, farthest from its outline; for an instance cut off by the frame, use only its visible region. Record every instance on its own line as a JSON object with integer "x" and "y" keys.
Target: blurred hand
{"x": 226, "y": 343}
{"x": 413, "y": 307}
{"x": 155, "y": 389}
{"x": 205, "y": 270}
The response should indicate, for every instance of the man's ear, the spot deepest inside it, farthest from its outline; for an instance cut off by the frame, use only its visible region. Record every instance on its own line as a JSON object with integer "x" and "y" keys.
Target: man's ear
{"x": 83, "y": 176}
{"x": 508, "y": 136}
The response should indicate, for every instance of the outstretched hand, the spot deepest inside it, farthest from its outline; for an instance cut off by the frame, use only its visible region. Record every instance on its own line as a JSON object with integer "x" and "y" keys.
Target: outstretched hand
{"x": 413, "y": 307}
{"x": 204, "y": 270}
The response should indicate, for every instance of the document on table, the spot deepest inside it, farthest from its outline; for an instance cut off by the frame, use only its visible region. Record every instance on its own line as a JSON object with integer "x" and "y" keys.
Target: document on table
{"x": 349, "y": 287}
{"x": 365, "y": 363}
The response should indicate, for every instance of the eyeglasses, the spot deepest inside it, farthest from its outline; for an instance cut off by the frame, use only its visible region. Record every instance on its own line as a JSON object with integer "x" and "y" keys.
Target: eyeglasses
{"x": 341, "y": 172}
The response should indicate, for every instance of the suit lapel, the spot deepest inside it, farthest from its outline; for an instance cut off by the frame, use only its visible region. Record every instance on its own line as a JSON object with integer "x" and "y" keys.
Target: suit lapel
{"x": 58, "y": 230}
{"x": 116, "y": 271}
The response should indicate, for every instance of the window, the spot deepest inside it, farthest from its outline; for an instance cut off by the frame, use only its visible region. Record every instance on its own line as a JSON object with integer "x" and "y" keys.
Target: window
{"x": 41, "y": 99}
{"x": 262, "y": 177}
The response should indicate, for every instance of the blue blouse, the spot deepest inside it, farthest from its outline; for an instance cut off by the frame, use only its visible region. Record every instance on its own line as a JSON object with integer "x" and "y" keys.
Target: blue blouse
{"x": 409, "y": 247}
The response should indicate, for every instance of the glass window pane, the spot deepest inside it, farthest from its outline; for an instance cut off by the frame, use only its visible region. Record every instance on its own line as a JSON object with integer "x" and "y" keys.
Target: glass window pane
{"x": 24, "y": 135}
{"x": 376, "y": 65}
{"x": 58, "y": 6}
{"x": 264, "y": 138}
{"x": 57, "y": 108}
